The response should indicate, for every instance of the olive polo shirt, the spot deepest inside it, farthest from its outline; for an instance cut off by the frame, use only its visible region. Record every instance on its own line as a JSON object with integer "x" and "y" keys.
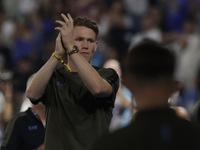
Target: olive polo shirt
{"x": 75, "y": 117}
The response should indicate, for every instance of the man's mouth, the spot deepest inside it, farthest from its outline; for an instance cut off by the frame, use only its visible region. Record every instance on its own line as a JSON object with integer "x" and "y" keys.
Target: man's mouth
{"x": 84, "y": 53}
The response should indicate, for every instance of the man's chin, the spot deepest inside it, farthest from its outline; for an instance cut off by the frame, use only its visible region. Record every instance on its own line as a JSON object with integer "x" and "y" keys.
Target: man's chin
{"x": 86, "y": 56}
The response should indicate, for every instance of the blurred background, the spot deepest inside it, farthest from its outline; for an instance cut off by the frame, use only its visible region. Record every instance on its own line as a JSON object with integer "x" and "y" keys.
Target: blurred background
{"x": 27, "y": 40}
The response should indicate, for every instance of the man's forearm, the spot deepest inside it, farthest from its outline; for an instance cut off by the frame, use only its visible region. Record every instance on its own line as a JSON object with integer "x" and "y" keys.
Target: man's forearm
{"x": 90, "y": 77}
{"x": 40, "y": 80}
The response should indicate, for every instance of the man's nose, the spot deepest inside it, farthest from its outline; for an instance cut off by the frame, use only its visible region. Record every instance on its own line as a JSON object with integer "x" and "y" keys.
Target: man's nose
{"x": 85, "y": 44}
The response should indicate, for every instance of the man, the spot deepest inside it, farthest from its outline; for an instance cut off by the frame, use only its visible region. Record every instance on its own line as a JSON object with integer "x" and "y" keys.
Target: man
{"x": 156, "y": 126}
{"x": 25, "y": 130}
{"x": 79, "y": 98}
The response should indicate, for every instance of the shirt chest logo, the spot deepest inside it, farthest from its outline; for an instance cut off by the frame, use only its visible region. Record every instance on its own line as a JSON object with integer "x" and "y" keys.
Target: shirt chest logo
{"x": 60, "y": 84}
{"x": 32, "y": 127}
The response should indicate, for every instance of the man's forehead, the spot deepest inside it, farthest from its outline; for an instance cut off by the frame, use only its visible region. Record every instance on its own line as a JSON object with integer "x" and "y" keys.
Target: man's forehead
{"x": 85, "y": 32}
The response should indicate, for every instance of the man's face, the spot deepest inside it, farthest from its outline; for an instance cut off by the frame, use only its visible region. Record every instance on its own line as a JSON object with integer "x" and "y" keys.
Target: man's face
{"x": 85, "y": 40}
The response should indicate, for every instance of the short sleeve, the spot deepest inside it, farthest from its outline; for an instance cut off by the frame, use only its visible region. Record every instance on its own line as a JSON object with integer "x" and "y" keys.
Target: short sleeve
{"x": 112, "y": 78}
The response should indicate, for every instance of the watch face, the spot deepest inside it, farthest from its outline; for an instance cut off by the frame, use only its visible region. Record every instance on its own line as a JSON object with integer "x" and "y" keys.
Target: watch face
{"x": 74, "y": 50}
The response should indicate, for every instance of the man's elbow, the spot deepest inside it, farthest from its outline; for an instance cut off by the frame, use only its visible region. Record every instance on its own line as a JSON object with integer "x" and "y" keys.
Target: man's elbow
{"x": 96, "y": 92}
{"x": 31, "y": 94}
{"x": 101, "y": 92}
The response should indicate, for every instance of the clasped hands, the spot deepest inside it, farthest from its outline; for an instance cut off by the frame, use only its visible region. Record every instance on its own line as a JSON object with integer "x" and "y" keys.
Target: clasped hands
{"x": 64, "y": 40}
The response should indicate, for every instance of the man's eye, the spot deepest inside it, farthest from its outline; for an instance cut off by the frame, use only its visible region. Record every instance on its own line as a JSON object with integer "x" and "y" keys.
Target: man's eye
{"x": 91, "y": 41}
{"x": 78, "y": 39}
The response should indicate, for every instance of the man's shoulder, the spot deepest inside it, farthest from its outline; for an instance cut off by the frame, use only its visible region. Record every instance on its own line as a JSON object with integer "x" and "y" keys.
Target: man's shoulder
{"x": 20, "y": 117}
{"x": 103, "y": 69}
{"x": 106, "y": 72}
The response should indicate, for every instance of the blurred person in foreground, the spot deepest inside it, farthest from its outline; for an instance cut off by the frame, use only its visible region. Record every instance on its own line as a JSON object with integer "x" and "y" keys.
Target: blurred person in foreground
{"x": 78, "y": 97}
{"x": 156, "y": 126}
{"x": 25, "y": 130}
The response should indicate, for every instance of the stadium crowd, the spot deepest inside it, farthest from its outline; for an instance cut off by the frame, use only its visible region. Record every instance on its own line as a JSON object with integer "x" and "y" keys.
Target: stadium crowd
{"x": 27, "y": 39}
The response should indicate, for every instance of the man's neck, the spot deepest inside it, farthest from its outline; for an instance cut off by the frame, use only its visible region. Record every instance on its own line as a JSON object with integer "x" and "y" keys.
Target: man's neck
{"x": 152, "y": 99}
{"x": 41, "y": 114}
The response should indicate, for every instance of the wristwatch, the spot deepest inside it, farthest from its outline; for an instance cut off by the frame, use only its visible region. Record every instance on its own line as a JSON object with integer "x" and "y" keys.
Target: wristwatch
{"x": 74, "y": 50}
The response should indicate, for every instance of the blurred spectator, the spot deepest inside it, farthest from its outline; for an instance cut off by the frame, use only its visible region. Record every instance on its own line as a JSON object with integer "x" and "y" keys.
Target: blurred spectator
{"x": 193, "y": 10}
{"x": 189, "y": 63}
{"x": 5, "y": 58}
{"x": 136, "y": 9}
{"x": 7, "y": 27}
{"x": 157, "y": 14}
{"x": 189, "y": 43}
{"x": 81, "y": 7}
{"x": 118, "y": 28}
{"x": 23, "y": 44}
{"x": 122, "y": 112}
{"x": 24, "y": 70}
{"x": 5, "y": 52}
{"x": 98, "y": 13}
{"x": 26, "y": 40}
{"x": 196, "y": 110}
{"x": 6, "y": 109}
{"x": 149, "y": 30}
{"x": 25, "y": 130}
{"x": 26, "y": 7}
{"x": 175, "y": 13}
{"x": 10, "y": 7}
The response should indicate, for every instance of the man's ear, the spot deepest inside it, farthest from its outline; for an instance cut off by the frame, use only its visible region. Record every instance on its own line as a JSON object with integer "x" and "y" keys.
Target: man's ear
{"x": 96, "y": 46}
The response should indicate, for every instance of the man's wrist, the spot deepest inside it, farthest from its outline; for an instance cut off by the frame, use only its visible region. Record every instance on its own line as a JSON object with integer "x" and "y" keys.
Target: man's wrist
{"x": 58, "y": 55}
{"x": 74, "y": 50}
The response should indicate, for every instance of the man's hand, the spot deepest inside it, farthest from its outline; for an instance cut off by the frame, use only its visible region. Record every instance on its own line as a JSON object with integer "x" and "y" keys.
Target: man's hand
{"x": 66, "y": 34}
{"x": 59, "y": 50}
